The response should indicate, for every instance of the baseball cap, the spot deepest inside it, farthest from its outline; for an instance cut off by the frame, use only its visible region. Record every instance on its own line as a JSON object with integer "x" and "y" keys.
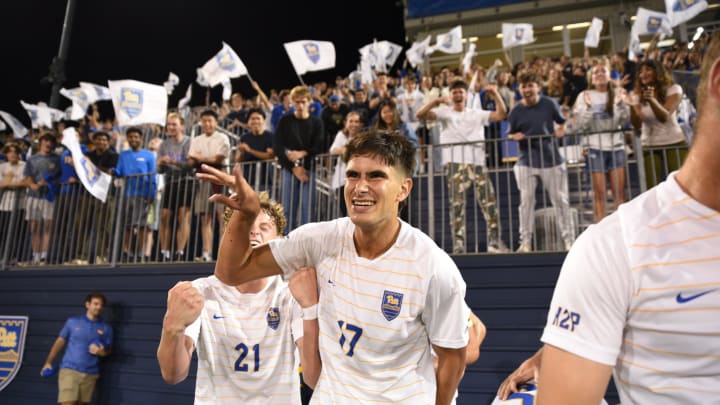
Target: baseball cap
{"x": 334, "y": 98}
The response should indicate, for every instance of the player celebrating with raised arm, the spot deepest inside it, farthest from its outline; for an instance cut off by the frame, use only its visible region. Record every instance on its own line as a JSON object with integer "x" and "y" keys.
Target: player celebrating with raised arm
{"x": 387, "y": 292}
{"x": 245, "y": 335}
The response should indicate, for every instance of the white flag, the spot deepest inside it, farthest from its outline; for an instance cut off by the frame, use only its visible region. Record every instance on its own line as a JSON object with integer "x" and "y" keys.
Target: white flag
{"x": 224, "y": 64}
{"x": 517, "y": 34}
{"x": 592, "y": 37}
{"x": 391, "y": 51}
{"x": 201, "y": 79}
{"x": 366, "y": 75}
{"x": 185, "y": 100}
{"x": 2, "y": 125}
{"x": 679, "y": 11}
{"x": 138, "y": 103}
{"x": 450, "y": 42}
{"x": 95, "y": 182}
{"x": 17, "y": 127}
{"x": 371, "y": 53}
{"x": 227, "y": 89}
{"x": 309, "y": 56}
{"x": 416, "y": 54}
{"x": 467, "y": 59}
{"x": 95, "y": 92}
{"x": 650, "y": 22}
{"x": 81, "y": 101}
{"x": 171, "y": 82}
{"x": 41, "y": 115}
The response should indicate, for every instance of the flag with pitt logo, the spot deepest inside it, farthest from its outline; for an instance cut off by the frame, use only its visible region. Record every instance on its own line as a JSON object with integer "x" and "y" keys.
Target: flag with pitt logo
{"x": 224, "y": 65}
{"x": 13, "y": 330}
{"x": 95, "y": 182}
{"x": 17, "y": 127}
{"x": 650, "y": 22}
{"x": 137, "y": 103}
{"x": 309, "y": 55}
{"x": 449, "y": 42}
{"x": 517, "y": 34}
{"x": 679, "y": 11}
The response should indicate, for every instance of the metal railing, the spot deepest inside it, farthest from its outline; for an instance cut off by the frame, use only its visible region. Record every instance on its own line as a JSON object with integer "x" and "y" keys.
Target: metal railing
{"x": 465, "y": 207}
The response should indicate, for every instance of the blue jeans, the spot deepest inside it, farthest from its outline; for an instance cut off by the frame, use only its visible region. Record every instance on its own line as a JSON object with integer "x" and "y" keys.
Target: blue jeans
{"x": 297, "y": 198}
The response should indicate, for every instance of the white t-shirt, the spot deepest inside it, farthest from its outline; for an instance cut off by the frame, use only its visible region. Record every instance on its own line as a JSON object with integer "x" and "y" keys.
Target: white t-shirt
{"x": 378, "y": 317}
{"x": 408, "y": 105}
{"x": 458, "y": 127}
{"x": 210, "y": 146}
{"x": 656, "y": 133}
{"x": 246, "y": 344}
{"x": 640, "y": 291}
{"x": 338, "y": 177}
{"x": 596, "y": 119}
{"x": 11, "y": 174}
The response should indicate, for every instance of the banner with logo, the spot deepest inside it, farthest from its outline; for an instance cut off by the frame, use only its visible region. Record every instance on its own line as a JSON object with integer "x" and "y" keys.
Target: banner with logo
{"x": 95, "y": 181}
{"x": 172, "y": 81}
{"x": 13, "y": 331}
{"x": 517, "y": 34}
{"x": 137, "y": 103}
{"x": 416, "y": 54}
{"x": 449, "y": 42}
{"x": 651, "y": 22}
{"x": 225, "y": 64}
{"x": 95, "y": 92}
{"x": 592, "y": 37}
{"x": 309, "y": 55}
{"x": 41, "y": 115}
{"x": 17, "y": 127}
{"x": 80, "y": 100}
{"x": 679, "y": 11}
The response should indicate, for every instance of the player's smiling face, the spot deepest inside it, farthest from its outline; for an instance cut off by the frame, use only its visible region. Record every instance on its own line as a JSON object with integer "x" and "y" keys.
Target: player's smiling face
{"x": 373, "y": 190}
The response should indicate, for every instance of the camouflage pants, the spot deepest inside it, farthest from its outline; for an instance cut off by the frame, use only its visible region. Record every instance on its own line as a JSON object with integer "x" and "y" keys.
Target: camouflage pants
{"x": 460, "y": 177}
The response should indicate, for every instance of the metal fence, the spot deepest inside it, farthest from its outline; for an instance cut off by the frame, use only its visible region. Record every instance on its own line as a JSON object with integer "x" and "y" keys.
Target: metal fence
{"x": 470, "y": 198}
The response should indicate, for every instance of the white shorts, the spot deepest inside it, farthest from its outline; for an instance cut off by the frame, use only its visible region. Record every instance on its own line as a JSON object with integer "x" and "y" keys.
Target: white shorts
{"x": 38, "y": 208}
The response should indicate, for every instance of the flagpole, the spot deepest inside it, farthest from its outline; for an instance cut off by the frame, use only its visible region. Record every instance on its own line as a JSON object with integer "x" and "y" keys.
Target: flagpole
{"x": 301, "y": 80}
{"x": 57, "y": 67}
{"x": 207, "y": 96}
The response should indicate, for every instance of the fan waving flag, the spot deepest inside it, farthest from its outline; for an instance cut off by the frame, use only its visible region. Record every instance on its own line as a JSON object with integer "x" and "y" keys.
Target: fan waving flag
{"x": 95, "y": 92}
{"x": 17, "y": 127}
{"x": 467, "y": 59}
{"x": 592, "y": 37}
{"x": 95, "y": 182}
{"x": 416, "y": 54}
{"x": 679, "y": 11}
{"x": 137, "y": 103}
{"x": 309, "y": 56}
{"x": 517, "y": 34}
{"x": 450, "y": 42}
{"x": 225, "y": 64}
{"x": 186, "y": 100}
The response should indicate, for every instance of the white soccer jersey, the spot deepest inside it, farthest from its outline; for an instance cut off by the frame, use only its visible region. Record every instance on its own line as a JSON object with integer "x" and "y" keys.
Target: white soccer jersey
{"x": 378, "y": 317}
{"x": 246, "y": 345}
{"x": 641, "y": 291}
{"x": 525, "y": 396}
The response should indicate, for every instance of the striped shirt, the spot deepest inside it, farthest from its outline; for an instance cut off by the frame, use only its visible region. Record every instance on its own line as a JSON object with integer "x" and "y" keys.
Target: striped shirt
{"x": 641, "y": 292}
{"x": 378, "y": 317}
{"x": 246, "y": 345}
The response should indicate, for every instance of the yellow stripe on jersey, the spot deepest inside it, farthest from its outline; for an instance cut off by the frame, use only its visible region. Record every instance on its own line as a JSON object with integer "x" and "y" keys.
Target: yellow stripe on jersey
{"x": 382, "y": 270}
{"x": 675, "y": 263}
{"x": 355, "y": 292}
{"x": 679, "y": 242}
{"x": 339, "y": 297}
{"x": 366, "y": 337}
{"x": 400, "y": 287}
{"x": 632, "y": 364}
{"x": 357, "y": 359}
{"x": 245, "y": 378}
{"x": 683, "y": 219}
{"x": 693, "y": 355}
{"x": 366, "y": 389}
{"x": 681, "y": 309}
{"x": 681, "y": 201}
{"x": 657, "y": 388}
{"x": 233, "y": 356}
{"x": 678, "y": 287}
{"x": 365, "y": 324}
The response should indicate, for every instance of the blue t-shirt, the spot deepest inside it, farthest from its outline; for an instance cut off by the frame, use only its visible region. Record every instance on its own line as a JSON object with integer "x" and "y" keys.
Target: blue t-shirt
{"x": 79, "y": 332}
{"x": 139, "y": 168}
{"x": 537, "y": 120}
{"x": 42, "y": 167}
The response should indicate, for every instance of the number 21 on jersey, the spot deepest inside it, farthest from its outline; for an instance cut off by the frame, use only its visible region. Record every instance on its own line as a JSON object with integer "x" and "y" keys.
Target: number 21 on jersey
{"x": 240, "y": 364}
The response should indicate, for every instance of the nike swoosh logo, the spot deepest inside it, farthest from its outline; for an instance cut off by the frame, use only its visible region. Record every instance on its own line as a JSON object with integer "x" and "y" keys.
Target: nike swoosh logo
{"x": 330, "y": 282}
{"x": 216, "y": 316}
{"x": 681, "y": 300}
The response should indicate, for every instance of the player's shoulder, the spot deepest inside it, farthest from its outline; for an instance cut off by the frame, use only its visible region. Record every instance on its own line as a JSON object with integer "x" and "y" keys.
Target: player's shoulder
{"x": 421, "y": 246}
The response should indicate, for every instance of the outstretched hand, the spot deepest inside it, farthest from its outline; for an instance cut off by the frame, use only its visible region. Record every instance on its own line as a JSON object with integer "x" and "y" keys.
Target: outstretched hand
{"x": 244, "y": 199}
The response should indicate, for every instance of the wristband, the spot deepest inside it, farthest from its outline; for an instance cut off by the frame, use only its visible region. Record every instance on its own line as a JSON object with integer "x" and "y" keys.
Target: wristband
{"x": 310, "y": 313}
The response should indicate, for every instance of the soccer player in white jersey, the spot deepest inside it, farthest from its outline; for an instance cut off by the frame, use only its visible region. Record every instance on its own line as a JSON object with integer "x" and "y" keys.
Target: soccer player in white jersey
{"x": 639, "y": 294}
{"x": 245, "y": 335}
{"x": 387, "y": 292}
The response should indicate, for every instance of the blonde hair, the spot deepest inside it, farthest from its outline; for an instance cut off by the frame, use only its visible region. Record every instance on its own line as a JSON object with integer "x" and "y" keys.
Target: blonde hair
{"x": 271, "y": 207}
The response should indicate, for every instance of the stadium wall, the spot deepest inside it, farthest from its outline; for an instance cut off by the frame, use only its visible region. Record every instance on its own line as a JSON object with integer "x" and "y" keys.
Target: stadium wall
{"x": 510, "y": 293}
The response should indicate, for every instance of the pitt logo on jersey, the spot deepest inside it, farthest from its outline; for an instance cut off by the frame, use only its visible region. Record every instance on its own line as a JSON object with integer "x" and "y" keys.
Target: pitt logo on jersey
{"x": 273, "y": 317}
{"x": 391, "y": 304}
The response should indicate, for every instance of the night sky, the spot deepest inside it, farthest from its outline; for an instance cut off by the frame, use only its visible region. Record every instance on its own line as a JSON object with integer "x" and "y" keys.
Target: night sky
{"x": 145, "y": 40}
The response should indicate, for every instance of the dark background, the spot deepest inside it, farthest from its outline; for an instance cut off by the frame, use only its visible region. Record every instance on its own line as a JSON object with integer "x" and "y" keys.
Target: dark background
{"x": 146, "y": 39}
